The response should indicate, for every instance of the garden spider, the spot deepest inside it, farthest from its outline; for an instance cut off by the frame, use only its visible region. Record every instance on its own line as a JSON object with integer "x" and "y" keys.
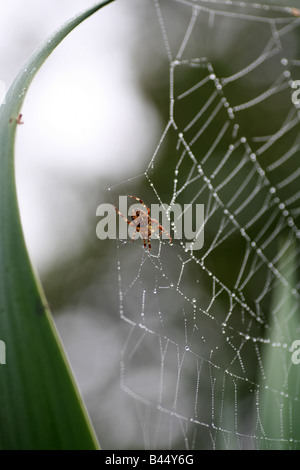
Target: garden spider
{"x": 143, "y": 223}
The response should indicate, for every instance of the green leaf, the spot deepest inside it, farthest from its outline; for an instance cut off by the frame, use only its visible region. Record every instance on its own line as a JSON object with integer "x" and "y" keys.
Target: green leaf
{"x": 278, "y": 421}
{"x": 40, "y": 407}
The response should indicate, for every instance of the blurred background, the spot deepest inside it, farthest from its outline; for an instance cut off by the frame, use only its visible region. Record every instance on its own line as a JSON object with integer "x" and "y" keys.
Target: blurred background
{"x": 88, "y": 124}
{"x": 93, "y": 118}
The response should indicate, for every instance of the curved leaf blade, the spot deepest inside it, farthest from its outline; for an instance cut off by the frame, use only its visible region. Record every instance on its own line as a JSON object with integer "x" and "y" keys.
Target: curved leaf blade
{"x": 40, "y": 405}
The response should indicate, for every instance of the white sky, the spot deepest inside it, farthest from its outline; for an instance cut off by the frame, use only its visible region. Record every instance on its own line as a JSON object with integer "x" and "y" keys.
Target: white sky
{"x": 84, "y": 116}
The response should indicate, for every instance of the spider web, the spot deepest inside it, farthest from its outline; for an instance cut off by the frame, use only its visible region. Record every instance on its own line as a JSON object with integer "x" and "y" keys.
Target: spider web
{"x": 207, "y": 359}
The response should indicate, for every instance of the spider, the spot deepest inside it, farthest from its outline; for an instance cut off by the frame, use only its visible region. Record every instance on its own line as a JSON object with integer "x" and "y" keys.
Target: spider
{"x": 143, "y": 223}
{"x": 18, "y": 119}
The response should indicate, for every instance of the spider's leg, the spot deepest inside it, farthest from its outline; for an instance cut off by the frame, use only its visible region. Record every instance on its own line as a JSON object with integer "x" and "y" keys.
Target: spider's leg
{"x": 159, "y": 227}
{"x": 167, "y": 233}
{"x": 133, "y": 235}
{"x": 149, "y": 244}
{"x": 148, "y": 210}
{"x": 144, "y": 241}
{"x": 123, "y": 217}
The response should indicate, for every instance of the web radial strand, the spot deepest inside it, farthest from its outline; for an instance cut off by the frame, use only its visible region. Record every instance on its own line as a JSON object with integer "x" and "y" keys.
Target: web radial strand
{"x": 211, "y": 330}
